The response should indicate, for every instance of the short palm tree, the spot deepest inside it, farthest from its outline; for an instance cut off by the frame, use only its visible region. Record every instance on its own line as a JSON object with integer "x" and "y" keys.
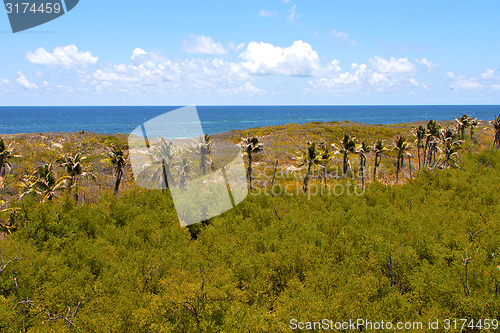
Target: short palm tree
{"x": 430, "y": 148}
{"x": 162, "y": 156}
{"x": 74, "y": 169}
{"x": 203, "y": 148}
{"x": 6, "y": 153}
{"x": 472, "y": 124}
{"x": 250, "y": 146}
{"x": 310, "y": 157}
{"x": 496, "y": 126}
{"x": 419, "y": 133}
{"x": 448, "y": 133}
{"x": 450, "y": 158}
{"x": 325, "y": 156}
{"x": 401, "y": 147}
{"x": 379, "y": 148}
{"x": 118, "y": 158}
{"x": 43, "y": 181}
{"x": 362, "y": 150}
{"x": 347, "y": 145}
{"x": 462, "y": 123}
{"x": 183, "y": 169}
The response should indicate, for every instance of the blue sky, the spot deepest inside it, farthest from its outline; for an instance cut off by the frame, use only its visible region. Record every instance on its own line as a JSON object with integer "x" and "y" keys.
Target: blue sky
{"x": 156, "y": 52}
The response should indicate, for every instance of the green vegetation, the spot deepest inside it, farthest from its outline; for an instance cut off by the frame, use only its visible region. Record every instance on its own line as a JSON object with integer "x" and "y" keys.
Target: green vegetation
{"x": 251, "y": 146}
{"x": 426, "y": 248}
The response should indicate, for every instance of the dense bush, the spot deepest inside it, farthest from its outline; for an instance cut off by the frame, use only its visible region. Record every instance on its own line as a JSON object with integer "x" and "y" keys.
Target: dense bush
{"x": 124, "y": 264}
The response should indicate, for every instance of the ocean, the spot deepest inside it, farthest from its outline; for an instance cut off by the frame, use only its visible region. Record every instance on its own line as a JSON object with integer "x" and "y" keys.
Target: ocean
{"x": 215, "y": 119}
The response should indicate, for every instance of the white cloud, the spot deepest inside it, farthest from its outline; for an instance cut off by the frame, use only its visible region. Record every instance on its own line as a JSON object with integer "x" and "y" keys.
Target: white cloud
{"x": 393, "y": 65}
{"x": 486, "y": 81}
{"x": 138, "y": 52}
{"x": 466, "y": 84}
{"x": 297, "y": 60}
{"x": 24, "y": 82}
{"x": 4, "y": 82}
{"x": 292, "y": 14}
{"x": 488, "y": 74}
{"x": 236, "y": 48}
{"x": 66, "y": 56}
{"x": 342, "y": 36}
{"x": 267, "y": 13}
{"x": 203, "y": 45}
{"x": 429, "y": 64}
{"x": 247, "y": 89}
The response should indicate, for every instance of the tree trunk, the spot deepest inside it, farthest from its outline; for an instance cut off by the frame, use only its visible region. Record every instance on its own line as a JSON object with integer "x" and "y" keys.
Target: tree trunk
{"x": 409, "y": 165}
{"x": 306, "y": 179}
{"x": 362, "y": 167}
{"x": 164, "y": 171}
{"x": 250, "y": 169}
{"x": 397, "y": 170}
{"x": 376, "y": 166}
{"x": 274, "y": 173}
{"x": 203, "y": 162}
{"x": 345, "y": 165}
{"x": 496, "y": 143}
{"x": 418, "y": 149}
{"x": 324, "y": 171}
{"x": 119, "y": 175}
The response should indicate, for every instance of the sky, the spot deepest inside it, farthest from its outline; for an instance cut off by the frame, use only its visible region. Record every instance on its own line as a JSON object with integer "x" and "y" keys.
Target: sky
{"x": 260, "y": 52}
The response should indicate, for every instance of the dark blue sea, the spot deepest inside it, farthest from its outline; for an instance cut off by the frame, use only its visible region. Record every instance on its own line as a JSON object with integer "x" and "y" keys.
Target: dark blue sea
{"x": 124, "y": 119}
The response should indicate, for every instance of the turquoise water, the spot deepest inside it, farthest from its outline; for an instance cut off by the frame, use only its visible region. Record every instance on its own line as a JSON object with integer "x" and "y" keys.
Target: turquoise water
{"x": 124, "y": 119}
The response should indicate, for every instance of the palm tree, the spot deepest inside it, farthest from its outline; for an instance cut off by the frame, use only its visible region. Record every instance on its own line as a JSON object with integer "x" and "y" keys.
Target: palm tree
{"x": 203, "y": 148}
{"x": 419, "y": 133}
{"x": 363, "y": 149}
{"x": 347, "y": 145}
{"x": 450, "y": 151}
{"x": 379, "y": 149}
{"x": 472, "y": 124}
{"x": 250, "y": 146}
{"x": 325, "y": 156}
{"x": 43, "y": 181}
{"x": 401, "y": 147}
{"x": 496, "y": 126}
{"x": 5, "y": 154}
{"x": 118, "y": 158}
{"x": 162, "y": 156}
{"x": 74, "y": 169}
{"x": 447, "y": 133}
{"x": 430, "y": 148}
{"x": 310, "y": 157}
{"x": 462, "y": 124}
{"x": 183, "y": 170}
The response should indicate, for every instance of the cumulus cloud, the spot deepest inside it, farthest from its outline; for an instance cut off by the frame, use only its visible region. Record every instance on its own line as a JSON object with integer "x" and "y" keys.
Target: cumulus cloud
{"x": 203, "y": 45}
{"x": 486, "y": 81}
{"x": 429, "y": 64}
{"x": 383, "y": 75}
{"x": 297, "y": 60}
{"x": 393, "y": 65}
{"x": 24, "y": 82}
{"x": 267, "y": 13}
{"x": 340, "y": 36}
{"x": 65, "y": 56}
{"x": 137, "y": 52}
